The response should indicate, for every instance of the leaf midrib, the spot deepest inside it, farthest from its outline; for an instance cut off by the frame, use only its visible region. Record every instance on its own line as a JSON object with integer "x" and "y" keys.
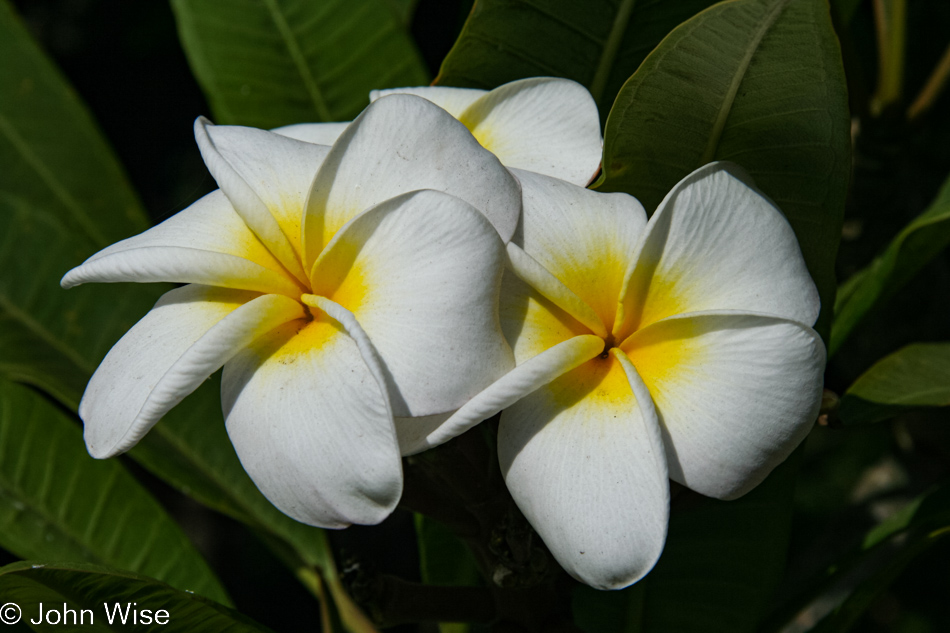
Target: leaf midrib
{"x": 726, "y": 107}
{"x": 293, "y": 48}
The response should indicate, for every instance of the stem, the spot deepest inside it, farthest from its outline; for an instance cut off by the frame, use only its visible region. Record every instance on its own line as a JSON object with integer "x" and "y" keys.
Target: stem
{"x": 931, "y": 90}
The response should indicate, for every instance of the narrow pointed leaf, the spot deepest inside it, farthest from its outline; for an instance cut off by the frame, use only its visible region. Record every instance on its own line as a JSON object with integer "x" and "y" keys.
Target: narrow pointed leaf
{"x": 598, "y": 44}
{"x": 270, "y": 63}
{"x": 97, "y": 590}
{"x": 904, "y": 257}
{"x": 51, "y": 151}
{"x": 57, "y": 503}
{"x": 756, "y": 82}
{"x": 916, "y": 376}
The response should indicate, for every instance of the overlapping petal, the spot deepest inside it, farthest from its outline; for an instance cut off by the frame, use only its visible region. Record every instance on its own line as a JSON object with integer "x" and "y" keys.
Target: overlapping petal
{"x": 583, "y": 459}
{"x": 310, "y": 420}
{"x": 585, "y": 239}
{"x": 207, "y": 243}
{"x": 735, "y": 393}
{"x": 400, "y": 144}
{"x": 319, "y": 133}
{"x": 266, "y": 177}
{"x": 715, "y": 243}
{"x": 546, "y": 125}
{"x": 189, "y": 334}
{"x": 421, "y": 272}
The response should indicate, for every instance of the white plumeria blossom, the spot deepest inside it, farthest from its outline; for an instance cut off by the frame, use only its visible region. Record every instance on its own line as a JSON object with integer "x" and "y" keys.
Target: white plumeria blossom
{"x": 543, "y": 124}
{"x": 338, "y": 287}
{"x": 678, "y": 348}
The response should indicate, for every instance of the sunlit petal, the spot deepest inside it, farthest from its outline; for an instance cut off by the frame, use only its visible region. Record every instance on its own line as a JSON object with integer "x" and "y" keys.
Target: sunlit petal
{"x": 311, "y": 424}
{"x": 542, "y": 124}
{"x": 583, "y": 460}
{"x": 735, "y": 394}
{"x": 715, "y": 243}
{"x": 399, "y": 144}
{"x": 452, "y": 100}
{"x": 207, "y": 243}
{"x": 421, "y": 273}
{"x": 187, "y": 336}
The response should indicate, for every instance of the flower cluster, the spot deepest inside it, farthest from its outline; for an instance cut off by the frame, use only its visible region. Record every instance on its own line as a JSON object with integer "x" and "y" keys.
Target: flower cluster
{"x": 376, "y": 288}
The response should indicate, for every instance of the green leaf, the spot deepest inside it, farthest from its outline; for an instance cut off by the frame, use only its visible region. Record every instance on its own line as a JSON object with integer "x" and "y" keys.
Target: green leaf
{"x": 837, "y": 602}
{"x": 50, "y": 149}
{"x": 904, "y": 257}
{"x": 597, "y": 43}
{"x": 57, "y": 503}
{"x": 915, "y": 376}
{"x": 721, "y": 563}
{"x": 95, "y": 589}
{"x": 756, "y": 82}
{"x": 190, "y": 449}
{"x": 268, "y": 63}
{"x": 71, "y": 329}
{"x": 445, "y": 560}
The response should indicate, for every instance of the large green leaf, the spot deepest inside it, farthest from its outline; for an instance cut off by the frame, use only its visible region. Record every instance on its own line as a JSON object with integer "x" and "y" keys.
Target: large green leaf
{"x": 78, "y": 326}
{"x": 57, "y": 503}
{"x": 916, "y": 376}
{"x": 268, "y": 63}
{"x": 97, "y": 591}
{"x": 597, "y": 43}
{"x": 51, "y": 153}
{"x": 908, "y": 252}
{"x": 721, "y": 563}
{"x": 756, "y": 82}
{"x": 190, "y": 449}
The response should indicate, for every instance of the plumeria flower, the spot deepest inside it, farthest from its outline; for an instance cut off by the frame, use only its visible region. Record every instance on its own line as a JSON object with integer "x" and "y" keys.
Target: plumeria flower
{"x": 677, "y": 348}
{"x": 337, "y": 286}
{"x": 543, "y": 124}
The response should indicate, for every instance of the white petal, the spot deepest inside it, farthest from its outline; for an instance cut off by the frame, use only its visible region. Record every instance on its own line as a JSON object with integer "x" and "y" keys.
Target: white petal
{"x": 207, "y": 243}
{"x": 319, "y": 133}
{"x": 513, "y": 386}
{"x": 584, "y": 238}
{"x": 312, "y": 426}
{"x": 189, "y": 334}
{"x": 715, "y": 243}
{"x": 583, "y": 460}
{"x": 266, "y": 177}
{"x": 400, "y": 144}
{"x": 735, "y": 394}
{"x": 452, "y": 100}
{"x": 542, "y": 124}
{"x": 421, "y": 274}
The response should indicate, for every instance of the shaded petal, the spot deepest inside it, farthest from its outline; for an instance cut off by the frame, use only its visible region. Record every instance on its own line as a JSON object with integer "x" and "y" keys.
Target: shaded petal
{"x": 715, "y": 243}
{"x": 207, "y": 243}
{"x": 319, "y": 133}
{"x": 735, "y": 394}
{"x": 310, "y": 421}
{"x": 399, "y": 144}
{"x": 266, "y": 177}
{"x": 588, "y": 240}
{"x": 513, "y": 386}
{"x": 421, "y": 274}
{"x": 542, "y": 124}
{"x": 189, "y": 334}
{"x": 412, "y": 432}
{"x": 584, "y": 461}
{"x": 453, "y": 100}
